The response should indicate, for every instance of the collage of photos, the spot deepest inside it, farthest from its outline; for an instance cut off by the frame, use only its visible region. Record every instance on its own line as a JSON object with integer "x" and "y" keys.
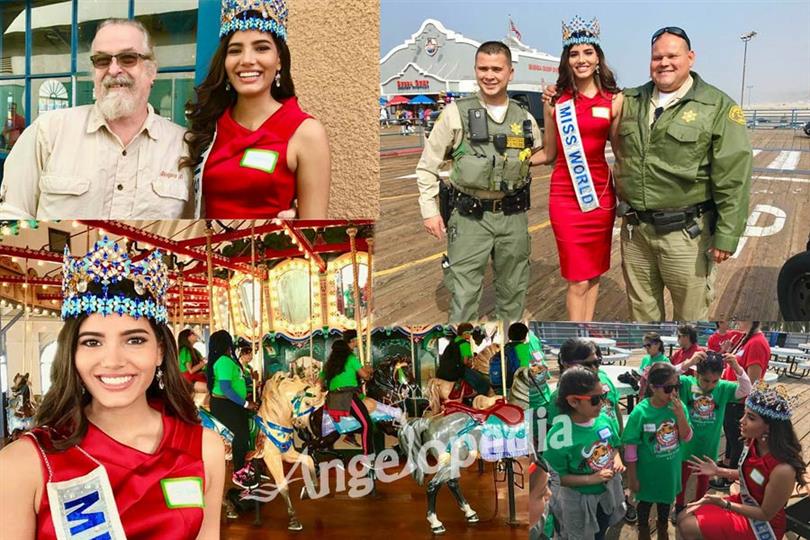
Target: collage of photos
{"x": 304, "y": 269}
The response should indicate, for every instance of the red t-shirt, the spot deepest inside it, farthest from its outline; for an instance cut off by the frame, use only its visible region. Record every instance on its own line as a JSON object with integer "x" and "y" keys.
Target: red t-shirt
{"x": 135, "y": 478}
{"x": 756, "y": 351}
{"x": 246, "y": 174}
{"x": 717, "y": 339}
{"x": 682, "y": 355}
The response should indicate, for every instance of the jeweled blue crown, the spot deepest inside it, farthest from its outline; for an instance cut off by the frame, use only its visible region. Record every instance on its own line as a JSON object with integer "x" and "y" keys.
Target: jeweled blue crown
{"x": 771, "y": 401}
{"x": 578, "y": 31}
{"x": 273, "y": 17}
{"x": 107, "y": 264}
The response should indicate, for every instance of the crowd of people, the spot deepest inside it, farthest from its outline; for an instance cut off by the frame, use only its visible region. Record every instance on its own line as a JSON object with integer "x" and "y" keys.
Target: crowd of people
{"x": 589, "y": 483}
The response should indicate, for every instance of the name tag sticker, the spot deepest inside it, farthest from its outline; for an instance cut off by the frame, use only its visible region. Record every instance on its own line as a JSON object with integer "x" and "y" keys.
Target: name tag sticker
{"x": 600, "y": 112}
{"x": 649, "y": 428}
{"x": 604, "y": 434}
{"x": 757, "y": 477}
{"x": 183, "y": 492}
{"x": 262, "y": 160}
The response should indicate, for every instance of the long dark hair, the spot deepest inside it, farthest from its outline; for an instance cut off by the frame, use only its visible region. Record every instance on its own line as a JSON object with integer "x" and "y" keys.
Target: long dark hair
{"x": 213, "y": 99}
{"x": 748, "y": 335}
{"x": 660, "y": 373}
{"x": 785, "y": 447}
{"x": 713, "y": 363}
{"x": 183, "y": 342}
{"x": 219, "y": 344}
{"x": 63, "y": 406}
{"x": 336, "y": 362}
{"x": 576, "y": 381}
{"x": 605, "y": 80}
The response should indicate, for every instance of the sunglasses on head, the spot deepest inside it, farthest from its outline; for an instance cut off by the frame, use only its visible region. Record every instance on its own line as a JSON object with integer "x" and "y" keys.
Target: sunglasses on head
{"x": 125, "y": 59}
{"x": 594, "y": 399}
{"x": 675, "y": 31}
{"x": 667, "y": 388}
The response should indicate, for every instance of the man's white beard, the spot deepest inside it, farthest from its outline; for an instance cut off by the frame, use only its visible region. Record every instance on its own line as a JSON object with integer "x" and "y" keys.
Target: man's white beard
{"x": 117, "y": 103}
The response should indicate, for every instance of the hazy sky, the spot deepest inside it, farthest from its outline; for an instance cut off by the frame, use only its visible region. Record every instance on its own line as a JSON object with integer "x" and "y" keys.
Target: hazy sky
{"x": 778, "y": 65}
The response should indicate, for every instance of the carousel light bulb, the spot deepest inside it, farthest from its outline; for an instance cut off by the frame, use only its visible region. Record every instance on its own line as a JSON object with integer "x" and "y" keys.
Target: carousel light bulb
{"x": 5, "y": 230}
{"x": 40, "y": 263}
{"x": 45, "y": 287}
{"x": 25, "y": 285}
{"x": 3, "y": 303}
{"x": 53, "y": 301}
{"x": 75, "y": 224}
{"x": 102, "y": 232}
{"x": 14, "y": 259}
{"x": 148, "y": 246}
{"x": 23, "y": 224}
{"x": 36, "y": 310}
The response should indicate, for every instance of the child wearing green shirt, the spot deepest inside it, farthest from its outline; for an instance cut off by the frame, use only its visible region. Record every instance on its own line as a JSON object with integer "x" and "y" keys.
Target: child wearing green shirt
{"x": 590, "y": 497}
{"x": 655, "y": 353}
{"x": 653, "y": 439}
{"x": 706, "y": 397}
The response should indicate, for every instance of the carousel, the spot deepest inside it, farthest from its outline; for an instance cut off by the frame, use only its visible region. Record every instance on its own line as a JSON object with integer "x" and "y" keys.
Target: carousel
{"x": 286, "y": 291}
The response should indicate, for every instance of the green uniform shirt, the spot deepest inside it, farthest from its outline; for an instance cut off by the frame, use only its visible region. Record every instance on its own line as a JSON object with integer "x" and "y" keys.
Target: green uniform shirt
{"x": 464, "y": 348}
{"x": 706, "y": 414}
{"x": 185, "y": 359}
{"x": 348, "y": 377}
{"x": 592, "y": 449}
{"x": 697, "y": 150}
{"x": 648, "y": 360}
{"x": 655, "y": 432}
{"x": 226, "y": 369}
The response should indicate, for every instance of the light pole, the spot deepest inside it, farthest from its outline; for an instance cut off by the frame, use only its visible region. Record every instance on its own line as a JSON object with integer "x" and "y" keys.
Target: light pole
{"x": 745, "y": 38}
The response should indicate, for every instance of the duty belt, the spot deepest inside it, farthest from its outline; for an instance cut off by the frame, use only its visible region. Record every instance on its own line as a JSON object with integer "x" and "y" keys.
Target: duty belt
{"x": 513, "y": 203}
{"x": 656, "y": 216}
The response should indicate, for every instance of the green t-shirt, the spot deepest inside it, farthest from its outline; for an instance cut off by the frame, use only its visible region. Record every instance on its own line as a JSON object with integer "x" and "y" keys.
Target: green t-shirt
{"x": 348, "y": 377}
{"x": 226, "y": 369}
{"x": 592, "y": 449}
{"x": 655, "y": 432}
{"x": 185, "y": 359}
{"x": 539, "y": 397}
{"x": 611, "y": 403}
{"x": 524, "y": 354}
{"x": 464, "y": 348}
{"x": 706, "y": 415}
{"x": 648, "y": 360}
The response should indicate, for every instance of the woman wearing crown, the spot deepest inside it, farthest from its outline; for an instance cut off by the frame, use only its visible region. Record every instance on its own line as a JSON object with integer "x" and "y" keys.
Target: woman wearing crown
{"x": 118, "y": 451}
{"x": 770, "y": 468}
{"x": 253, "y": 148}
{"x": 585, "y": 109}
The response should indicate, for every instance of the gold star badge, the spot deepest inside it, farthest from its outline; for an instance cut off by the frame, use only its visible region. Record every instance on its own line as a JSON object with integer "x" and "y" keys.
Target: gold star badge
{"x": 689, "y": 116}
{"x": 516, "y": 129}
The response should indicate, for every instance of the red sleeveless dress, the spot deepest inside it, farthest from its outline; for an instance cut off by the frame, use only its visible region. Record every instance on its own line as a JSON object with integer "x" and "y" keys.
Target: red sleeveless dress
{"x": 246, "y": 173}
{"x": 584, "y": 238}
{"x": 134, "y": 477}
{"x": 721, "y": 524}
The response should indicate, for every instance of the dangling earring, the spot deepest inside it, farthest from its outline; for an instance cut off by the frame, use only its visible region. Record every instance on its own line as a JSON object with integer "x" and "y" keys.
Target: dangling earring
{"x": 764, "y": 437}
{"x": 278, "y": 79}
{"x": 597, "y": 69}
{"x": 159, "y": 375}
{"x": 227, "y": 86}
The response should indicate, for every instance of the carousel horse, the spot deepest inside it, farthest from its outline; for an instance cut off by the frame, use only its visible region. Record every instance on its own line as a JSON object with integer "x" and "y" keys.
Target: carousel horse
{"x": 391, "y": 386}
{"x": 525, "y": 380}
{"x": 20, "y": 410}
{"x": 459, "y": 436}
{"x": 286, "y": 403}
{"x": 481, "y": 359}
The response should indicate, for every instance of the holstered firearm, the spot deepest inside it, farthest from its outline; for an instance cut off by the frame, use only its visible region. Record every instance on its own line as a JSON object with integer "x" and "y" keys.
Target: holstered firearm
{"x": 445, "y": 202}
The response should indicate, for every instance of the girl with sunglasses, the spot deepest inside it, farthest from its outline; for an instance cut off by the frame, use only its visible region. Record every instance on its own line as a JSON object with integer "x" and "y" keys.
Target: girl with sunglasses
{"x": 653, "y": 438}
{"x": 654, "y": 347}
{"x": 590, "y": 497}
{"x": 706, "y": 396}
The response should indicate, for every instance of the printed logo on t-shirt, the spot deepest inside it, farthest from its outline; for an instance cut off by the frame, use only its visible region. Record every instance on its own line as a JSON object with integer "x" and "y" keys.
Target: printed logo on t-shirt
{"x": 666, "y": 437}
{"x": 703, "y": 408}
{"x": 262, "y": 160}
{"x": 599, "y": 456}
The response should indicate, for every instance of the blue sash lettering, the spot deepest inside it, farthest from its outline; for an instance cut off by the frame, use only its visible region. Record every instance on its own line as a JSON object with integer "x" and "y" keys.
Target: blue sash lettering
{"x": 575, "y": 156}
{"x": 87, "y": 520}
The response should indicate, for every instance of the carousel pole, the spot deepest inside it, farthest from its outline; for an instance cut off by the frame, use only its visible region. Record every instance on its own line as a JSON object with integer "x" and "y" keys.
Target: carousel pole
{"x": 208, "y": 251}
{"x": 311, "y": 326}
{"x": 182, "y": 301}
{"x": 262, "y": 300}
{"x": 253, "y": 325}
{"x": 352, "y": 232}
{"x": 509, "y": 465}
{"x": 369, "y": 299}
{"x": 26, "y": 330}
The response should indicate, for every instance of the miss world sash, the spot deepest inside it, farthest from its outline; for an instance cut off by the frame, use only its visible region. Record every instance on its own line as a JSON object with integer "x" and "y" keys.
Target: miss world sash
{"x": 568, "y": 128}
{"x": 762, "y": 529}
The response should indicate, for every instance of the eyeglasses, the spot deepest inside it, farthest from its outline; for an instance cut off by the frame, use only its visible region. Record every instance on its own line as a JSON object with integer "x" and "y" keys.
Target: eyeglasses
{"x": 675, "y": 31}
{"x": 648, "y": 345}
{"x": 667, "y": 388}
{"x": 595, "y": 399}
{"x": 125, "y": 59}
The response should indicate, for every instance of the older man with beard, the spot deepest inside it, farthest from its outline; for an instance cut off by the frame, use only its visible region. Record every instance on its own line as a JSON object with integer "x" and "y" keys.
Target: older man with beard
{"x": 116, "y": 159}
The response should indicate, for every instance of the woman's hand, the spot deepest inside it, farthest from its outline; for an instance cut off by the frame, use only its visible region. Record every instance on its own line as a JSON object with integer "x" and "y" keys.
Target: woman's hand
{"x": 677, "y": 407}
{"x": 697, "y": 358}
{"x": 731, "y": 359}
{"x": 548, "y": 94}
{"x": 706, "y": 467}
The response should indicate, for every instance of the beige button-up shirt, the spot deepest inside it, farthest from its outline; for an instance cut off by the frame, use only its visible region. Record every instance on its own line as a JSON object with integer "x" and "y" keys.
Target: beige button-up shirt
{"x": 68, "y": 165}
{"x": 446, "y": 135}
{"x": 673, "y": 99}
